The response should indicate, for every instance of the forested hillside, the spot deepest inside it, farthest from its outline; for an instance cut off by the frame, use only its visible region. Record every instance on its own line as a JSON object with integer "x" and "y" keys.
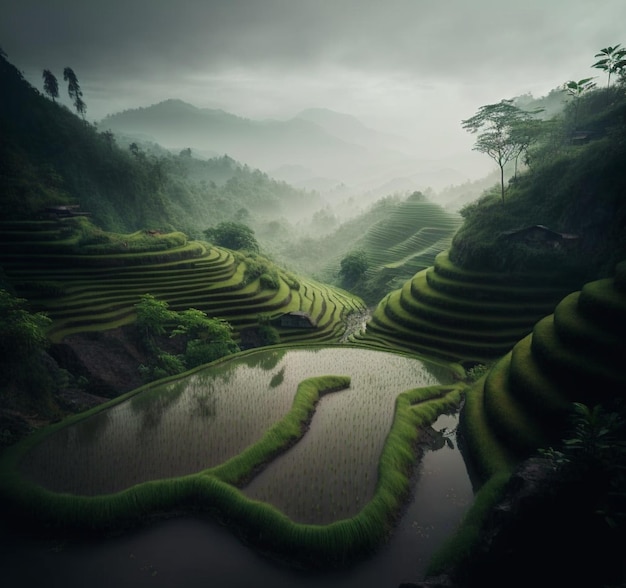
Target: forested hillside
{"x": 574, "y": 184}
{"x": 49, "y": 156}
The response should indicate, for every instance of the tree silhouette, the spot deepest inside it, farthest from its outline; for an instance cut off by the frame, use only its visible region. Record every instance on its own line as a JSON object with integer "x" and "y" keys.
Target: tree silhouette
{"x": 506, "y": 132}
{"x": 50, "y": 84}
{"x": 73, "y": 89}
{"x": 613, "y": 60}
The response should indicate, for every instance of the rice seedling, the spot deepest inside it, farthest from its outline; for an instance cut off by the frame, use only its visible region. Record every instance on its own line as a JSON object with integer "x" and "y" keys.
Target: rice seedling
{"x": 365, "y": 491}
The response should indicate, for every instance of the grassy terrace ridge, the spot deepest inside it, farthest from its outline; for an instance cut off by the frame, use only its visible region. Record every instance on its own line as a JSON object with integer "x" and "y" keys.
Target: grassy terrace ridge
{"x": 525, "y": 400}
{"x": 96, "y": 291}
{"x": 463, "y": 316}
{"x": 402, "y": 243}
{"x": 215, "y": 490}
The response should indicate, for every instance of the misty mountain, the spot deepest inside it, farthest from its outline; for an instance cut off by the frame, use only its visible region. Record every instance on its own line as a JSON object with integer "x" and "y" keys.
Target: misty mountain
{"x": 318, "y": 149}
{"x": 350, "y": 129}
{"x": 51, "y": 157}
{"x": 263, "y": 144}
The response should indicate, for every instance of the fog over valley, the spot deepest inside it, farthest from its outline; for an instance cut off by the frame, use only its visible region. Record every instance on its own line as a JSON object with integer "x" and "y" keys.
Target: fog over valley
{"x": 345, "y": 98}
{"x": 312, "y": 293}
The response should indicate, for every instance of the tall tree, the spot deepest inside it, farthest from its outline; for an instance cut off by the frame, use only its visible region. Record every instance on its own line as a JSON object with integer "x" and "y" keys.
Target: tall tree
{"x": 613, "y": 60}
{"x": 50, "y": 84}
{"x": 503, "y": 133}
{"x": 73, "y": 89}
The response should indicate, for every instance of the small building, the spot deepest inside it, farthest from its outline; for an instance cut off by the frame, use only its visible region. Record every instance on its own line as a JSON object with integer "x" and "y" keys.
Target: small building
{"x": 296, "y": 319}
{"x": 540, "y": 236}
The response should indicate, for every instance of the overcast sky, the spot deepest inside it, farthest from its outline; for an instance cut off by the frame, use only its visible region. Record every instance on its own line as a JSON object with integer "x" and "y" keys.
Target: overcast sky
{"x": 416, "y": 67}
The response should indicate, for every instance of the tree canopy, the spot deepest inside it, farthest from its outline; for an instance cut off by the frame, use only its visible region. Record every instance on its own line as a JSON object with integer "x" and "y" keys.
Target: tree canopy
{"x": 233, "y": 236}
{"x": 353, "y": 267}
{"x": 73, "y": 89}
{"x": 612, "y": 60}
{"x": 50, "y": 84}
{"x": 205, "y": 339}
{"x": 21, "y": 331}
{"x": 504, "y": 131}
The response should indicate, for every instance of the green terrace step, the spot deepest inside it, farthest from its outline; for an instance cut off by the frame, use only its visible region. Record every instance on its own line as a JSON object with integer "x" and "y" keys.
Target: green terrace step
{"x": 99, "y": 291}
{"x": 207, "y": 262}
{"x": 466, "y": 320}
{"x": 486, "y": 333}
{"x": 572, "y": 369}
{"x": 422, "y": 291}
{"x": 605, "y": 304}
{"x": 251, "y": 296}
{"x": 420, "y": 240}
{"x": 46, "y": 260}
{"x": 100, "y": 322}
{"x": 493, "y": 292}
{"x": 509, "y": 418}
{"x": 380, "y": 341}
{"x": 582, "y": 335}
{"x": 572, "y": 355}
{"x": 448, "y": 269}
{"x": 163, "y": 284}
{"x": 531, "y": 385}
{"x": 455, "y": 348}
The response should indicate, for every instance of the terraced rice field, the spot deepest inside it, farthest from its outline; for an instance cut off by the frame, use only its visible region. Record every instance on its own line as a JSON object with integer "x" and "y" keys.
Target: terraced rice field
{"x": 95, "y": 292}
{"x": 458, "y": 315}
{"x": 405, "y": 242}
{"x": 576, "y": 354}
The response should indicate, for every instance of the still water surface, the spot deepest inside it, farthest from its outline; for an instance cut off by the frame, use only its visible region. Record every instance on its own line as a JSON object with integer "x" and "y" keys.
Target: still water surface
{"x": 187, "y": 552}
{"x": 190, "y": 552}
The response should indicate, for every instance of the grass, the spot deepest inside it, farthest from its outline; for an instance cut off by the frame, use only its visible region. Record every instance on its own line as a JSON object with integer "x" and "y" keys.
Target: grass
{"x": 464, "y": 316}
{"x": 97, "y": 291}
{"x": 523, "y": 403}
{"x": 213, "y": 490}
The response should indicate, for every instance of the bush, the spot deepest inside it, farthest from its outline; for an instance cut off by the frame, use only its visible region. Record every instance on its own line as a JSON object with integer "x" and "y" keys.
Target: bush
{"x": 270, "y": 280}
{"x": 268, "y": 335}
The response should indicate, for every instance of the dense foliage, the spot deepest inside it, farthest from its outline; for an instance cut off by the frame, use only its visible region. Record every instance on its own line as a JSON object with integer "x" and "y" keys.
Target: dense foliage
{"x": 575, "y": 184}
{"x": 233, "y": 236}
{"x": 204, "y": 339}
{"x": 50, "y": 157}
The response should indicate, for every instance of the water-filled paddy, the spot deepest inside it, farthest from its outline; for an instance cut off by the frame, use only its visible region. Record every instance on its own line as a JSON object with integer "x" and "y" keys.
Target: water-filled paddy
{"x": 204, "y": 419}
{"x": 193, "y": 553}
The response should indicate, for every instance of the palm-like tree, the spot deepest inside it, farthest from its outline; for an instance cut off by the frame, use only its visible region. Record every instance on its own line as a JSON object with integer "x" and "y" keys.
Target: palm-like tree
{"x": 613, "y": 59}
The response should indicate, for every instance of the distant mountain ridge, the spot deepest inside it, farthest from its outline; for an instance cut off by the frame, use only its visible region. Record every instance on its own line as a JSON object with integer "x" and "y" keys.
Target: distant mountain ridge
{"x": 264, "y": 144}
{"x": 317, "y": 147}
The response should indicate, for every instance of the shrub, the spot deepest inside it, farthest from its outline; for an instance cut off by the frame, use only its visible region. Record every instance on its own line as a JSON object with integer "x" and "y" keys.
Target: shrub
{"x": 270, "y": 280}
{"x": 268, "y": 335}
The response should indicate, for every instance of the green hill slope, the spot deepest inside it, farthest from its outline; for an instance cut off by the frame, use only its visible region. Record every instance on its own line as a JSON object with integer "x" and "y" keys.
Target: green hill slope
{"x": 397, "y": 237}
{"x": 576, "y": 354}
{"x": 461, "y": 315}
{"x": 49, "y": 156}
{"x": 84, "y": 288}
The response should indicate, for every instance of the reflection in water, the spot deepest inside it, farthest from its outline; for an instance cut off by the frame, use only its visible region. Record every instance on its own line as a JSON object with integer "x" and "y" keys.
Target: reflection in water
{"x": 152, "y": 436}
{"x": 203, "y": 403}
{"x": 194, "y": 553}
{"x": 277, "y": 379}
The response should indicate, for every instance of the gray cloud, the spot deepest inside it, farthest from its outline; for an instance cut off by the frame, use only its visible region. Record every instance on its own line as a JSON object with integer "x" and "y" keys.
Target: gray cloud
{"x": 392, "y": 59}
